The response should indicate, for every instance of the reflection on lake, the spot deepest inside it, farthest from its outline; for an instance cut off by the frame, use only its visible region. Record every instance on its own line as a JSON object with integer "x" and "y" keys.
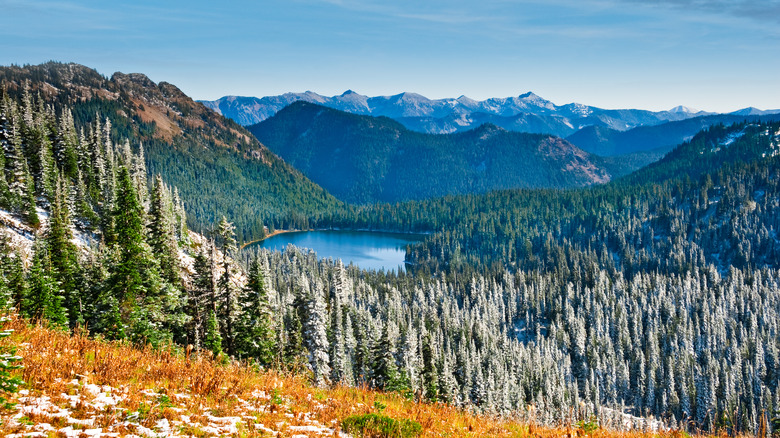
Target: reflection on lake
{"x": 366, "y": 249}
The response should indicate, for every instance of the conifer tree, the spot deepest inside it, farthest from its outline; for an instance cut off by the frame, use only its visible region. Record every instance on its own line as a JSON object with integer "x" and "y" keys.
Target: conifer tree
{"x": 43, "y": 301}
{"x": 65, "y": 146}
{"x": 383, "y": 370}
{"x": 199, "y": 301}
{"x": 430, "y": 376}
{"x": 144, "y": 303}
{"x": 161, "y": 237}
{"x": 64, "y": 255}
{"x": 213, "y": 340}
{"x": 255, "y": 334}
{"x": 228, "y": 292}
{"x": 314, "y": 334}
{"x": 294, "y": 352}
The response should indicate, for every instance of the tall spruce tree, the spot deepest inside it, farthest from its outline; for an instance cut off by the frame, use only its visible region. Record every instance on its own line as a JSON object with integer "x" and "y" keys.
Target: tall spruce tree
{"x": 161, "y": 233}
{"x": 255, "y": 336}
{"x": 228, "y": 292}
{"x": 64, "y": 256}
{"x": 43, "y": 300}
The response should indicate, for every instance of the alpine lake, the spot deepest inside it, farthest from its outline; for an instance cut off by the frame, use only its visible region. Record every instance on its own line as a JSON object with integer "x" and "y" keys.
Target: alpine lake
{"x": 376, "y": 250}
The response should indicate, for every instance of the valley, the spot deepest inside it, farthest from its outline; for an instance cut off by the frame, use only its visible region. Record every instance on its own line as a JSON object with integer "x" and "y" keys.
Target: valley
{"x": 546, "y": 282}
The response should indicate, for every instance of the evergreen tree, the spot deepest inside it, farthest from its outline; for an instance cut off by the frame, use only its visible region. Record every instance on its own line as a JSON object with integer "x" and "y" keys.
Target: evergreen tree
{"x": 43, "y": 301}
{"x": 228, "y": 292}
{"x": 314, "y": 334}
{"x": 430, "y": 376}
{"x": 161, "y": 233}
{"x": 384, "y": 370}
{"x": 213, "y": 340}
{"x": 64, "y": 256}
{"x": 199, "y": 298}
{"x": 255, "y": 334}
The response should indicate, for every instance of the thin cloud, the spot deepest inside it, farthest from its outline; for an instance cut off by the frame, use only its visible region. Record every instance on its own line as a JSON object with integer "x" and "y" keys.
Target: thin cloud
{"x": 758, "y": 10}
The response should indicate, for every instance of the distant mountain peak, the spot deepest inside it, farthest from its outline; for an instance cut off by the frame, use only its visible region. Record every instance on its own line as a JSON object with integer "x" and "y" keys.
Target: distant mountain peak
{"x": 683, "y": 109}
{"x": 527, "y": 112}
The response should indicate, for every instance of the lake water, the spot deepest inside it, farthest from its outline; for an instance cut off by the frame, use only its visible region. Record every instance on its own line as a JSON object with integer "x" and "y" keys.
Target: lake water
{"x": 366, "y": 249}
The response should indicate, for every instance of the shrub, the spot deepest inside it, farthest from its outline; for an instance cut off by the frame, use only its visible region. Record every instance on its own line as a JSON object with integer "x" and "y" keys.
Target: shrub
{"x": 380, "y": 426}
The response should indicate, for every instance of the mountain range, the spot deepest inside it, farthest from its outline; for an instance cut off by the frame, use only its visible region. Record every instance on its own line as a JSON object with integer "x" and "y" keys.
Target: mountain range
{"x": 364, "y": 159}
{"x": 655, "y": 139}
{"x": 526, "y": 113}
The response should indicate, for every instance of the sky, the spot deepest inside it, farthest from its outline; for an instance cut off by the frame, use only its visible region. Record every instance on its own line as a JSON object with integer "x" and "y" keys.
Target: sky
{"x": 714, "y": 55}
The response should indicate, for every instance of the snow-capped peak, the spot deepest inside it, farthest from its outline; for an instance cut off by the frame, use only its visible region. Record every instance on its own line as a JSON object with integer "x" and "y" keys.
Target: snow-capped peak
{"x": 683, "y": 109}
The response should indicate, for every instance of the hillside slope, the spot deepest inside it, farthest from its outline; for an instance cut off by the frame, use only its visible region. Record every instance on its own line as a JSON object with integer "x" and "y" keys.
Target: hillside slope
{"x": 218, "y": 167}
{"x": 363, "y": 159}
{"x": 604, "y": 141}
{"x": 81, "y": 386}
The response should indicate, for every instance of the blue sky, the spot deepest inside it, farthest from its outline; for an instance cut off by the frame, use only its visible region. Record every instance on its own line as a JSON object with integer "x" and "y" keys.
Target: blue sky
{"x": 716, "y": 55}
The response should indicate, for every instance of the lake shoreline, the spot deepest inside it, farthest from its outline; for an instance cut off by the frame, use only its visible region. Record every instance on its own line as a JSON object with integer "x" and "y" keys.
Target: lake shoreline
{"x": 277, "y": 232}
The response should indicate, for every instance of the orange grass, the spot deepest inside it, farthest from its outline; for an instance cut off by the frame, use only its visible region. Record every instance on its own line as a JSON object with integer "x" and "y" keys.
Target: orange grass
{"x": 198, "y": 387}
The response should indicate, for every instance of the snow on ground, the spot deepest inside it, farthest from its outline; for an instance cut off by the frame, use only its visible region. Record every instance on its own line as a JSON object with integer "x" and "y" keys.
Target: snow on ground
{"x": 731, "y": 138}
{"x": 90, "y": 410}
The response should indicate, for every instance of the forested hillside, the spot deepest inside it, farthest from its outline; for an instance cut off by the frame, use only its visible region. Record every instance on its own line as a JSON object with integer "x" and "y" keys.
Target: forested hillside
{"x": 218, "y": 167}
{"x": 90, "y": 242}
{"x": 604, "y": 141}
{"x": 362, "y": 159}
{"x": 657, "y": 292}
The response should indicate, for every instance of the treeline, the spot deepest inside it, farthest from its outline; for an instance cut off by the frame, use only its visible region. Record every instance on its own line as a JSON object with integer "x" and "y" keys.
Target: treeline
{"x": 108, "y": 247}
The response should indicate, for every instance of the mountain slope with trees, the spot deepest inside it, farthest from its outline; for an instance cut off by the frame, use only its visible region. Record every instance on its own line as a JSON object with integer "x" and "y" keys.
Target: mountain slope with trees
{"x": 218, "y": 167}
{"x": 604, "y": 141}
{"x": 362, "y": 159}
{"x": 108, "y": 248}
{"x": 655, "y": 294}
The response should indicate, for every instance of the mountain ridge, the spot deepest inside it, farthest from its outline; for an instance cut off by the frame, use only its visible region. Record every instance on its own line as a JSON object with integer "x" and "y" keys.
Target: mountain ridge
{"x": 182, "y": 138}
{"x": 363, "y": 159}
{"x": 249, "y": 110}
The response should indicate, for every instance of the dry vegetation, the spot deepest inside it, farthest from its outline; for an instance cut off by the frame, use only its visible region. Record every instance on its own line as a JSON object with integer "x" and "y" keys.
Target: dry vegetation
{"x": 77, "y": 386}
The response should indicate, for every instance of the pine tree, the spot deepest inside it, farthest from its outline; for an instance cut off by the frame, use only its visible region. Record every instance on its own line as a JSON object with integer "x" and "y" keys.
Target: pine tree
{"x": 340, "y": 367}
{"x": 255, "y": 334}
{"x": 213, "y": 340}
{"x": 315, "y": 336}
{"x": 294, "y": 352}
{"x": 134, "y": 281}
{"x": 383, "y": 370}
{"x": 127, "y": 280}
{"x": 199, "y": 297}
{"x": 65, "y": 146}
{"x": 229, "y": 307}
{"x": 161, "y": 233}
{"x": 5, "y": 144}
{"x": 43, "y": 301}
{"x": 64, "y": 255}
{"x": 430, "y": 375}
